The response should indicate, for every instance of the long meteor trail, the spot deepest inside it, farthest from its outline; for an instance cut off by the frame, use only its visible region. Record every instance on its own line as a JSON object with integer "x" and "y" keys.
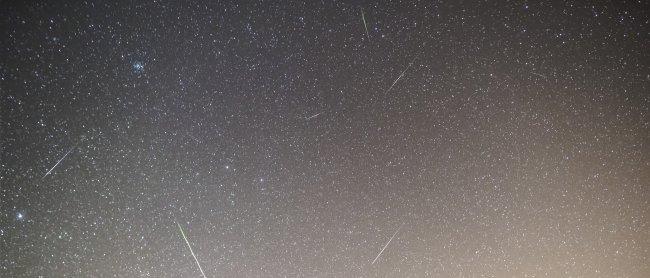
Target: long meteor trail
{"x": 400, "y": 76}
{"x": 363, "y": 17}
{"x": 391, "y": 239}
{"x": 57, "y": 163}
{"x": 191, "y": 251}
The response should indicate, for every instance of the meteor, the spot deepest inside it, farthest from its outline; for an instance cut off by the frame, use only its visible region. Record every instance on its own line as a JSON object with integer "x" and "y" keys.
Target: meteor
{"x": 538, "y": 74}
{"x": 57, "y": 163}
{"x": 191, "y": 251}
{"x": 363, "y": 17}
{"x": 391, "y": 239}
{"x": 313, "y": 116}
{"x": 401, "y": 74}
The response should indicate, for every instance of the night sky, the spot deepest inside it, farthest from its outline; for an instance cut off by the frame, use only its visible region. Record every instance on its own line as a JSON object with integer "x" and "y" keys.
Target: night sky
{"x": 325, "y": 139}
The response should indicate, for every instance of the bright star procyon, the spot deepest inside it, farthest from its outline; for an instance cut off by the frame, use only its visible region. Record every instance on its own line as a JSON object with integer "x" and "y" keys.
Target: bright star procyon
{"x": 20, "y": 216}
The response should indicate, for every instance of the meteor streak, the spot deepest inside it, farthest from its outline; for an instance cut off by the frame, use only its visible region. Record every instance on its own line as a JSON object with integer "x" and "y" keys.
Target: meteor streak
{"x": 363, "y": 17}
{"x": 313, "y": 116}
{"x": 57, "y": 163}
{"x": 538, "y": 74}
{"x": 391, "y": 239}
{"x": 191, "y": 251}
{"x": 401, "y": 74}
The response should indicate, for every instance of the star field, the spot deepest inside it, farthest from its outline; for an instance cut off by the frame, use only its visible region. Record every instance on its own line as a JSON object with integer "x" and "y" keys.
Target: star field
{"x": 325, "y": 139}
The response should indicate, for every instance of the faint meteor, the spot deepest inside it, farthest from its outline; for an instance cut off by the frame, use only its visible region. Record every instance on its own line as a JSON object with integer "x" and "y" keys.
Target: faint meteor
{"x": 57, "y": 163}
{"x": 363, "y": 17}
{"x": 313, "y": 116}
{"x": 191, "y": 251}
{"x": 400, "y": 76}
{"x": 538, "y": 74}
{"x": 391, "y": 239}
